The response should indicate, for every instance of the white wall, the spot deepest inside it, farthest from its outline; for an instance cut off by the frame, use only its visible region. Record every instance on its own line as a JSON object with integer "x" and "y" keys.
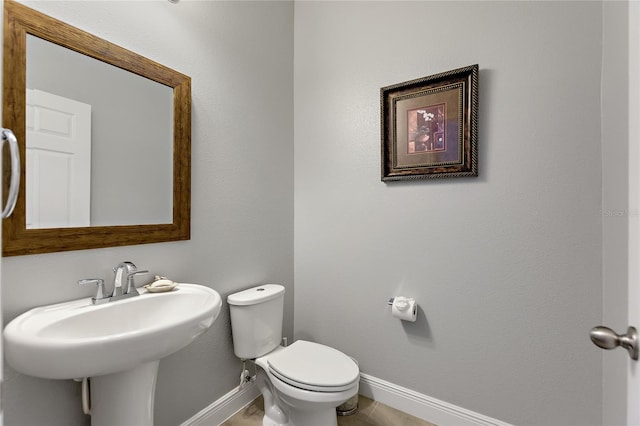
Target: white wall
{"x": 615, "y": 89}
{"x": 633, "y": 369}
{"x": 507, "y": 267}
{"x": 238, "y": 55}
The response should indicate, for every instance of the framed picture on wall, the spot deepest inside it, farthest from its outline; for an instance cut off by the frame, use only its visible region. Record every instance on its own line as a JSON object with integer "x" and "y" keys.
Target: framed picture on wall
{"x": 430, "y": 126}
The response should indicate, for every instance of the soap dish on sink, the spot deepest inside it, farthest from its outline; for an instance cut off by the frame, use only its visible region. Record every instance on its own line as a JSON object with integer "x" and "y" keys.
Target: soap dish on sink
{"x": 161, "y": 286}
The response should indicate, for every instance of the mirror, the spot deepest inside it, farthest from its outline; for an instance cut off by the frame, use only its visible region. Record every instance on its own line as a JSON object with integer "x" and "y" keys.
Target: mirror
{"x": 78, "y": 173}
{"x": 137, "y": 187}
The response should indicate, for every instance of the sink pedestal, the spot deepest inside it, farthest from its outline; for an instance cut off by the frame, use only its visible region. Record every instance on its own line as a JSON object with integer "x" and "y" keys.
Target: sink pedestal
{"x": 125, "y": 398}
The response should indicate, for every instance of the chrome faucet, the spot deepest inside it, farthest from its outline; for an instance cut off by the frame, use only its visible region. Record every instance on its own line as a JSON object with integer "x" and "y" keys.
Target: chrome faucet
{"x": 125, "y": 270}
{"x": 120, "y": 270}
{"x": 124, "y": 273}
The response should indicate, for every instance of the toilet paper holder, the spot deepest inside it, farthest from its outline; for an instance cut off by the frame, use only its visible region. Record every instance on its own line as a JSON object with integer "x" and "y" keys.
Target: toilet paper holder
{"x": 404, "y": 308}
{"x": 393, "y": 299}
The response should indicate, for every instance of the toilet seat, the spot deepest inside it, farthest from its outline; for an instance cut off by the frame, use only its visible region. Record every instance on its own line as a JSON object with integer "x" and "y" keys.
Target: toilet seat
{"x": 314, "y": 367}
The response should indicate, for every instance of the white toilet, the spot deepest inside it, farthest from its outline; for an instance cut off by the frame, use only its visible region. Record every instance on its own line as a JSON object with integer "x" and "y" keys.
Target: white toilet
{"x": 303, "y": 383}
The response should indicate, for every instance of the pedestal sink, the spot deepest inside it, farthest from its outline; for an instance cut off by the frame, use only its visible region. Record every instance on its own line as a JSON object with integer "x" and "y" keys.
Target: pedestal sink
{"x": 118, "y": 345}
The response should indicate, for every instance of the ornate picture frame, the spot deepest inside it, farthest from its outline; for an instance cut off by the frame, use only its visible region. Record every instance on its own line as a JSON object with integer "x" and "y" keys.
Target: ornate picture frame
{"x": 430, "y": 126}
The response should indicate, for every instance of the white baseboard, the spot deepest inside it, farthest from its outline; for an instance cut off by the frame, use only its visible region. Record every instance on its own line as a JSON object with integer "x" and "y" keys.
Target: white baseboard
{"x": 225, "y": 407}
{"x": 403, "y": 399}
{"x": 422, "y": 406}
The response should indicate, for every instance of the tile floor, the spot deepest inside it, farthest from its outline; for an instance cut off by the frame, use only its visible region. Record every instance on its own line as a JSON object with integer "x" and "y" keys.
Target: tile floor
{"x": 370, "y": 413}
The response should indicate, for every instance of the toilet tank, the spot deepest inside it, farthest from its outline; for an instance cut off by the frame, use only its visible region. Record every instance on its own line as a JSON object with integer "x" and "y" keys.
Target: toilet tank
{"x": 256, "y": 320}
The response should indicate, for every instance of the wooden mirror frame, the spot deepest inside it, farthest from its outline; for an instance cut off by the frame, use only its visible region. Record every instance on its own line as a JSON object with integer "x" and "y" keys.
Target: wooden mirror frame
{"x": 19, "y": 21}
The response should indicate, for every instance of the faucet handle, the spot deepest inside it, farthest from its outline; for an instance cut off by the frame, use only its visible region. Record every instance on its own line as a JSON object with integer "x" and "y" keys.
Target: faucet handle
{"x": 100, "y": 294}
{"x": 131, "y": 287}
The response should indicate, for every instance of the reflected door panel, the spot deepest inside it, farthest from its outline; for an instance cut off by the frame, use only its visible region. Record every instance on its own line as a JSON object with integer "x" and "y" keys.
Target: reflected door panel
{"x": 58, "y": 171}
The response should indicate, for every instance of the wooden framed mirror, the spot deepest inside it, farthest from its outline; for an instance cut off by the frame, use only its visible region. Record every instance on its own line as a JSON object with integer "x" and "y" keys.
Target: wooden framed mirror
{"x": 24, "y": 28}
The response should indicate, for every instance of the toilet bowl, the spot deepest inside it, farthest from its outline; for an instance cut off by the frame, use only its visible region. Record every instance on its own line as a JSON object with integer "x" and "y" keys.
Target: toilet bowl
{"x": 303, "y": 383}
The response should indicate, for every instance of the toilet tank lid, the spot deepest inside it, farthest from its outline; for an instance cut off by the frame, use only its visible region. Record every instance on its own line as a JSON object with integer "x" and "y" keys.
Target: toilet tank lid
{"x": 256, "y": 295}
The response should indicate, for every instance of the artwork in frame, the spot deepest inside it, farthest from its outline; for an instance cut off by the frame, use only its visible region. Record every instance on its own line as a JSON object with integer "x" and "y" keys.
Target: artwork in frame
{"x": 430, "y": 126}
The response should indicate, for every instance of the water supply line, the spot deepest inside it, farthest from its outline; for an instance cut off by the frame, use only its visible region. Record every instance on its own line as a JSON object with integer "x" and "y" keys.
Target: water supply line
{"x": 86, "y": 396}
{"x": 245, "y": 376}
{"x": 85, "y": 392}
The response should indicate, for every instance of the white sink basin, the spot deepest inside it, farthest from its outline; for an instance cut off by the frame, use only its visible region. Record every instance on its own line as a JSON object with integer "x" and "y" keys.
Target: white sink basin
{"x": 77, "y": 339}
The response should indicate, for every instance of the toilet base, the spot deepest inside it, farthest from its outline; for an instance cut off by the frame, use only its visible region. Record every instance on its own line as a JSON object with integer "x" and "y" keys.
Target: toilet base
{"x": 283, "y": 410}
{"x": 308, "y": 418}
{"x": 305, "y": 418}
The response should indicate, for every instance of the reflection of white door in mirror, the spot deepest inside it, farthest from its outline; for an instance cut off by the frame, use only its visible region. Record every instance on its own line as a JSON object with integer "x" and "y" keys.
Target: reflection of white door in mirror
{"x": 58, "y": 181}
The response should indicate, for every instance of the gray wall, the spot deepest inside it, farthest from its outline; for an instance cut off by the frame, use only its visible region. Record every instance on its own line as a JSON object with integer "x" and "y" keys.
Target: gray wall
{"x": 507, "y": 267}
{"x": 239, "y": 57}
